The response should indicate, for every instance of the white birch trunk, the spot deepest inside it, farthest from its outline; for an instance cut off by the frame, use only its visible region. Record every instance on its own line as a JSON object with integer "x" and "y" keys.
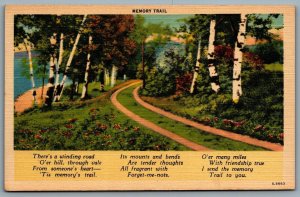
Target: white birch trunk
{"x": 87, "y": 70}
{"x": 113, "y": 76}
{"x": 106, "y": 77}
{"x": 76, "y": 87}
{"x": 62, "y": 84}
{"x": 196, "y": 69}
{"x": 58, "y": 64}
{"x": 211, "y": 57}
{"x": 27, "y": 45}
{"x": 238, "y": 58}
{"x": 51, "y": 79}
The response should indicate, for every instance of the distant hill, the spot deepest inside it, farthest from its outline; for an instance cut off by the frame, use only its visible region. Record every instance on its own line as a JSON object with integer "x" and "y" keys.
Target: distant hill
{"x": 253, "y": 41}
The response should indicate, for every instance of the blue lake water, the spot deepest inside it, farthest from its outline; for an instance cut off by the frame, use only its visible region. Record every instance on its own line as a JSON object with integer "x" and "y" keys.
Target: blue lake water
{"x": 22, "y": 81}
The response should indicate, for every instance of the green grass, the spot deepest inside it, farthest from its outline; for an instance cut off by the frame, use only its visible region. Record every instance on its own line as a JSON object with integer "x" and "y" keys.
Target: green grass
{"x": 93, "y": 90}
{"x": 274, "y": 67}
{"x": 85, "y": 126}
{"x": 206, "y": 139}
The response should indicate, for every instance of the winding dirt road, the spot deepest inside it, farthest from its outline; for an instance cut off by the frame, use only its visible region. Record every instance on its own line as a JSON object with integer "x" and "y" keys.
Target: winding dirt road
{"x": 179, "y": 139}
{"x": 151, "y": 125}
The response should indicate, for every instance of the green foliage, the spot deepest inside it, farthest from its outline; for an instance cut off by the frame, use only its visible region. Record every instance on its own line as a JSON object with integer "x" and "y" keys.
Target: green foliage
{"x": 159, "y": 84}
{"x": 161, "y": 80}
{"x": 258, "y": 25}
{"x": 259, "y": 112}
{"x": 269, "y": 52}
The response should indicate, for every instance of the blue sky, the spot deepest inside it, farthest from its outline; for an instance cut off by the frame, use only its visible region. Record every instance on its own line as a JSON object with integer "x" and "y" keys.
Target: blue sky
{"x": 173, "y": 20}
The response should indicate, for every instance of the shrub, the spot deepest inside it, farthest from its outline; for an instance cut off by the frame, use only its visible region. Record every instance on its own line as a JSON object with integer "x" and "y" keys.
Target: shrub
{"x": 159, "y": 84}
{"x": 183, "y": 83}
{"x": 269, "y": 52}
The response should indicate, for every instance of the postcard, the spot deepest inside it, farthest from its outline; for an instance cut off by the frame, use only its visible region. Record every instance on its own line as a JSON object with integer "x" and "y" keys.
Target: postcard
{"x": 140, "y": 97}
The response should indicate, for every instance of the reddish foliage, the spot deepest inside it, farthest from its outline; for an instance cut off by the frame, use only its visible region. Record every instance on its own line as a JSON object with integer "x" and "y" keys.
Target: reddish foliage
{"x": 26, "y": 131}
{"x": 136, "y": 129}
{"x": 103, "y": 127}
{"x": 117, "y": 126}
{"x": 69, "y": 126}
{"x": 216, "y": 119}
{"x": 233, "y": 123}
{"x": 72, "y": 120}
{"x": 67, "y": 134}
{"x": 259, "y": 128}
{"x": 253, "y": 60}
{"x": 183, "y": 83}
{"x": 38, "y": 136}
{"x": 113, "y": 32}
{"x": 106, "y": 137}
{"x": 223, "y": 52}
{"x": 157, "y": 147}
{"x": 281, "y": 136}
{"x": 44, "y": 130}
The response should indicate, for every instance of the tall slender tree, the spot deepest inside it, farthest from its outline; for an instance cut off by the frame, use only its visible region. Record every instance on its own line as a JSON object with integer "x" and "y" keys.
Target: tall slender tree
{"x": 64, "y": 79}
{"x": 52, "y": 64}
{"x": 28, "y": 47}
{"x": 238, "y": 58}
{"x": 196, "y": 69}
{"x": 214, "y": 78}
{"x": 84, "y": 93}
{"x": 60, "y": 58}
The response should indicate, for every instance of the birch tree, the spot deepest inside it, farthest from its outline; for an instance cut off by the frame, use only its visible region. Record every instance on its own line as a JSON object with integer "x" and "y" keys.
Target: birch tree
{"x": 238, "y": 58}
{"x": 113, "y": 77}
{"x": 87, "y": 70}
{"x": 68, "y": 65}
{"x": 60, "y": 57}
{"x": 106, "y": 77}
{"x": 197, "y": 66}
{"x": 28, "y": 45}
{"x": 52, "y": 64}
{"x": 214, "y": 78}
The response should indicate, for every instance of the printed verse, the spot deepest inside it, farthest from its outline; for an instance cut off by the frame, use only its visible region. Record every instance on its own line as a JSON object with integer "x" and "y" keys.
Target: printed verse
{"x": 236, "y": 166}
{"x": 149, "y": 166}
{"x": 66, "y": 165}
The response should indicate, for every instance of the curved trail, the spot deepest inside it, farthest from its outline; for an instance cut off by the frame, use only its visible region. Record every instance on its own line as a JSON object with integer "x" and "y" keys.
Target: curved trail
{"x": 151, "y": 125}
{"x": 215, "y": 131}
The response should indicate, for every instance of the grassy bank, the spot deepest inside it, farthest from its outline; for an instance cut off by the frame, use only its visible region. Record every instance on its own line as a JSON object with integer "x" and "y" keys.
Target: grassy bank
{"x": 91, "y": 125}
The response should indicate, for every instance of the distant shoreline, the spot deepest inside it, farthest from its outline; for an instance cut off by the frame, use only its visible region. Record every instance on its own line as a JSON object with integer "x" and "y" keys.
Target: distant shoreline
{"x": 25, "y": 100}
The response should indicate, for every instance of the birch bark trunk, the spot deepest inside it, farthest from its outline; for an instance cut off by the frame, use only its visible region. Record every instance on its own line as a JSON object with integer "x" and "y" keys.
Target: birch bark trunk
{"x": 114, "y": 71}
{"x": 238, "y": 58}
{"x": 27, "y": 45}
{"x": 60, "y": 56}
{"x": 87, "y": 71}
{"x": 62, "y": 84}
{"x": 214, "y": 77}
{"x": 106, "y": 77}
{"x": 51, "y": 79}
{"x": 196, "y": 69}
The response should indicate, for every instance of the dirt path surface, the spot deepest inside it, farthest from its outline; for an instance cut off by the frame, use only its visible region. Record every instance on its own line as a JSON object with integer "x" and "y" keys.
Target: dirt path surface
{"x": 220, "y": 132}
{"x": 25, "y": 101}
{"x": 151, "y": 125}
